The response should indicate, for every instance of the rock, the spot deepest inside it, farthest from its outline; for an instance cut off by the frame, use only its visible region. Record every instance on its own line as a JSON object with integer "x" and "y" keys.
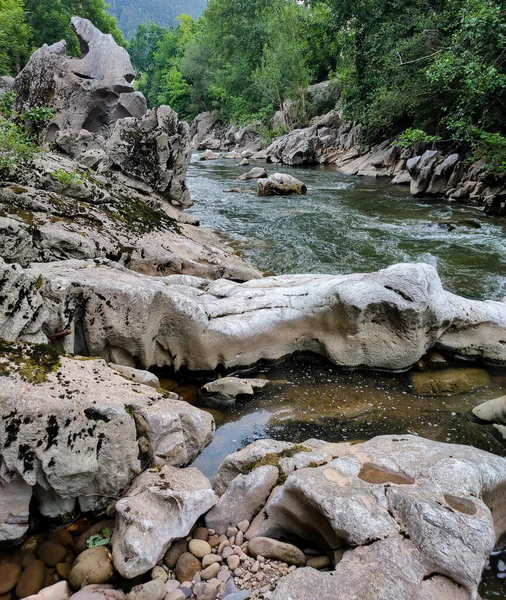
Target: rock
{"x": 281, "y": 184}
{"x": 420, "y": 168}
{"x": 15, "y": 499}
{"x": 92, "y": 566}
{"x": 91, "y": 593}
{"x": 210, "y": 559}
{"x": 176, "y": 595}
{"x": 161, "y": 506}
{"x": 80, "y": 431}
{"x": 276, "y": 550}
{"x": 409, "y": 504}
{"x": 449, "y": 382}
{"x": 159, "y": 573}
{"x": 201, "y": 533}
{"x": 61, "y": 536}
{"x": 205, "y": 591}
{"x": 492, "y": 411}
{"x": 199, "y": 548}
{"x": 91, "y": 92}
{"x": 51, "y": 553}
{"x": 137, "y": 375}
{"x": 243, "y": 526}
{"x": 63, "y": 569}
{"x": 319, "y": 562}
{"x": 152, "y": 590}
{"x": 207, "y": 131}
{"x": 210, "y": 572}
{"x": 175, "y": 550}
{"x": 208, "y": 155}
{"x": 187, "y": 566}
{"x": 31, "y": 580}
{"x": 155, "y": 151}
{"x": 58, "y": 591}
{"x": 171, "y": 585}
{"x": 9, "y": 576}
{"x": 396, "y": 315}
{"x": 244, "y": 163}
{"x": 243, "y": 499}
{"x": 255, "y": 173}
{"x": 224, "y": 392}
{"x": 232, "y": 155}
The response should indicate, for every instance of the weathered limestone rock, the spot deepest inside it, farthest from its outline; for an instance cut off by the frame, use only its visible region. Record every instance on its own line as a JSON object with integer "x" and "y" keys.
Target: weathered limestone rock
{"x": 255, "y": 173}
{"x": 420, "y": 168}
{"x": 154, "y": 150}
{"x": 492, "y": 411}
{"x": 207, "y": 131}
{"x": 162, "y": 505}
{"x": 91, "y": 92}
{"x": 22, "y": 310}
{"x": 57, "y": 437}
{"x": 245, "y": 496}
{"x": 225, "y": 391}
{"x": 401, "y": 509}
{"x": 388, "y": 319}
{"x": 281, "y": 184}
{"x": 15, "y": 499}
{"x": 137, "y": 375}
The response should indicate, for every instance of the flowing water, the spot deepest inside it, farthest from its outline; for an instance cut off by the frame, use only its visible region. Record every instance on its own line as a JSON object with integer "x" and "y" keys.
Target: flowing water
{"x": 344, "y": 225}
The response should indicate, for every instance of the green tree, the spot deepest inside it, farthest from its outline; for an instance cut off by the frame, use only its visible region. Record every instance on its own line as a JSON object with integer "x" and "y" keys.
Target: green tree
{"x": 14, "y": 37}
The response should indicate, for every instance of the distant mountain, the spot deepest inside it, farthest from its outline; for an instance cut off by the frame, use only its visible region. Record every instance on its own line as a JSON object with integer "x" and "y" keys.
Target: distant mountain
{"x": 131, "y": 13}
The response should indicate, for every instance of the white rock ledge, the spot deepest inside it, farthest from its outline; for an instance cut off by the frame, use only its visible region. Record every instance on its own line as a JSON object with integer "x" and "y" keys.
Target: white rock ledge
{"x": 384, "y": 320}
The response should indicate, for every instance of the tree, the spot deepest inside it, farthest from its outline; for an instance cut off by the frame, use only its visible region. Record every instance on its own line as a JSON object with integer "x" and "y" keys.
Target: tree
{"x": 14, "y": 37}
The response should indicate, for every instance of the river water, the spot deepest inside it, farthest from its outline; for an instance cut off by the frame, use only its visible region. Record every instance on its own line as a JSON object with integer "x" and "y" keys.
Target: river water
{"x": 344, "y": 225}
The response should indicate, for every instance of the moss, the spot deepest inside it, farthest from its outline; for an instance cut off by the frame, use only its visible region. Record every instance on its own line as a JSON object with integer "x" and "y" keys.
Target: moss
{"x": 130, "y": 411}
{"x": 33, "y": 362}
{"x": 39, "y": 282}
{"x": 274, "y": 459}
{"x": 140, "y": 216}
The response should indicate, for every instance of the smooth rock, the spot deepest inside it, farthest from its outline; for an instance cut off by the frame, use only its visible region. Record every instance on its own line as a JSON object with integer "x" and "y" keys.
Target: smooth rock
{"x": 199, "y": 548}
{"x": 176, "y": 595}
{"x": 152, "y": 590}
{"x": 58, "y": 591}
{"x": 281, "y": 184}
{"x": 161, "y": 506}
{"x": 201, "y": 533}
{"x": 210, "y": 572}
{"x": 208, "y": 155}
{"x": 9, "y": 576}
{"x": 492, "y": 411}
{"x": 159, "y": 573}
{"x": 51, "y": 553}
{"x": 255, "y": 173}
{"x": 137, "y": 375}
{"x": 243, "y": 499}
{"x": 31, "y": 580}
{"x": 187, "y": 566}
{"x": 276, "y": 550}
{"x": 92, "y": 566}
{"x": 319, "y": 562}
{"x": 174, "y": 552}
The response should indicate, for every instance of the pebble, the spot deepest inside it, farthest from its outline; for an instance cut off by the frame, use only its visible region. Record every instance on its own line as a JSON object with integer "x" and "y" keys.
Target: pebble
{"x": 232, "y": 531}
{"x": 9, "y": 576}
{"x": 51, "y": 553}
{"x": 210, "y": 572}
{"x": 187, "y": 567}
{"x": 243, "y": 526}
{"x": 222, "y": 546}
{"x": 61, "y": 536}
{"x": 172, "y": 555}
{"x": 233, "y": 562}
{"x": 239, "y": 538}
{"x": 224, "y": 576}
{"x": 176, "y": 595}
{"x": 227, "y": 551}
{"x": 159, "y": 573}
{"x": 31, "y": 580}
{"x": 152, "y": 590}
{"x": 201, "y": 533}
{"x": 319, "y": 562}
{"x": 209, "y": 559}
{"x": 199, "y": 548}
{"x": 171, "y": 585}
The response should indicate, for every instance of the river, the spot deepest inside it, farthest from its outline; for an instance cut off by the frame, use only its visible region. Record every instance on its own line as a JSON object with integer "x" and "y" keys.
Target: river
{"x": 344, "y": 225}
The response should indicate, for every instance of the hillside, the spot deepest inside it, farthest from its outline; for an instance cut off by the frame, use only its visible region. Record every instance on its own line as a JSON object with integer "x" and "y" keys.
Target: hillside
{"x": 163, "y": 12}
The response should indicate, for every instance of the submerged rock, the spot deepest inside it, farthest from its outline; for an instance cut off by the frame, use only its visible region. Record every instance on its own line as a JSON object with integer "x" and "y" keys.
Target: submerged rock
{"x": 224, "y": 392}
{"x": 449, "y": 382}
{"x": 492, "y": 411}
{"x": 161, "y": 506}
{"x": 91, "y": 92}
{"x": 281, "y": 184}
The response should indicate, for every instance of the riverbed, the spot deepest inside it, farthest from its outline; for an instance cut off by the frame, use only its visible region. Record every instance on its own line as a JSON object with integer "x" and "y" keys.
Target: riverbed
{"x": 344, "y": 225}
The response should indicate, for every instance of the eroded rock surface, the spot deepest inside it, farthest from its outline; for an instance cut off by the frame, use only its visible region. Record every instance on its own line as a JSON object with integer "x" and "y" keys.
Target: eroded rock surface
{"x": 387, "y": 319}
{"x": 405, "y": 517}
{"x": 91, "y": 92}
{"x": 74, "y": 437}
{"x": 162, "y": 505}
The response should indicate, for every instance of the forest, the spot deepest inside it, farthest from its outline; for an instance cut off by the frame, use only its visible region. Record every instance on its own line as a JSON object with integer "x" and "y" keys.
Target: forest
{"x": 433, "y": 69}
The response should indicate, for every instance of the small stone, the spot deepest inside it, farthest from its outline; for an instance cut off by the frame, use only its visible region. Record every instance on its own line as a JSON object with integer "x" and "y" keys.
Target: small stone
{"x": 187, "y": 566}
{"x": 159, "y": 573}
{"x": 260, "y": 576}
{"x": 63, "y": 570}
{"x": 243, "y": 526}
{"x": 224, "y": 576}
{"x": 205, "y": 591}
{"x": 227, "y": 551}
{"x": 51, "y": 553}
{"x": 61, "y": 536}
{"x": 199, "y": 548}
{"x": 276, "y": 550}
{"x": 187, "y": 590}
{"x": 319, "y": 562}
{"x": 31, "y": 580}
{"x": 239, "y": 538}
{"x": 255, "y": 567}
{"x": 231, "y": 532}
{"x": 201, "y": 533}
{"x": 210, "y": 572}
{"x": 171, "y": 585}
{"x": 209, "y": 559}
{"x": 91, "y": 566}
{"x": 172, "y": 555}
{"x": 9, "y": 577}
{"x": 27, "y": 559}
{"x": 222, "y": 547}
{"x": 152, "y": 590}
{"x": 233, "y": 562}
{"x": 176, "y": 595}
{"x": 231, "y": 540}
{"x": 143, "y": 444}
{"x": 214, "y": 541}
{"x": 238, "y": 572}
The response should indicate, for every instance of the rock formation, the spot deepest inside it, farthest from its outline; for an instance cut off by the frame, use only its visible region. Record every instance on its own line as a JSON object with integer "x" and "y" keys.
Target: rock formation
{"x": 281, "y": 184}
{"x": 59, "y": 441}
{"x": 386, "y": 320}
{"x": 91, "y": 92}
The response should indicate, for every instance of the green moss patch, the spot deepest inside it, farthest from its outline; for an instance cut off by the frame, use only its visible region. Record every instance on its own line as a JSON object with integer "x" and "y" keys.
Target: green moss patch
{"x": 32, "y": 362}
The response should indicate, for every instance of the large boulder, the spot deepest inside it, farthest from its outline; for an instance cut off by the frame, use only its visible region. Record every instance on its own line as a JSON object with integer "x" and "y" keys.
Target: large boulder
{"x": 57, "y": 437}
{"x": 281, "y": 184}
{"x": 387, "y": 320}
{"x": 155, "y": 150}
{"x": 425, "y": 509}
{"x": 91, "y": 92}
{"x": 161, "y": 506}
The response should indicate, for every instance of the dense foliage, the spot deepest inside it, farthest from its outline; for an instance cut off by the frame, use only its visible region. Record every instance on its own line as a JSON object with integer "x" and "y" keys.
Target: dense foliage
{"x": 27, "y": 24}
{"x": 436, "y": 67}
{"x": 132, "y": 13}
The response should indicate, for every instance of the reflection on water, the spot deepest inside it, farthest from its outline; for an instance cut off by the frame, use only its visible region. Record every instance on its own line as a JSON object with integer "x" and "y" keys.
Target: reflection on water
{"x": 351, "y": 224}
{"x": 347, "y": 225}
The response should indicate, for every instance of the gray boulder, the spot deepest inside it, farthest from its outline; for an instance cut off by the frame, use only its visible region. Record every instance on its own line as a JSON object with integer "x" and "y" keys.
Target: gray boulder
{"x": 225, "y": 391}
{"x": 70, "y": 449}
{"x": 91, "y": 92}
{"x": 161, "y": 506}
{"x": 281, "y": 184}
{"x": 492, "y": 411}
{"x": 255, "y": 173}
